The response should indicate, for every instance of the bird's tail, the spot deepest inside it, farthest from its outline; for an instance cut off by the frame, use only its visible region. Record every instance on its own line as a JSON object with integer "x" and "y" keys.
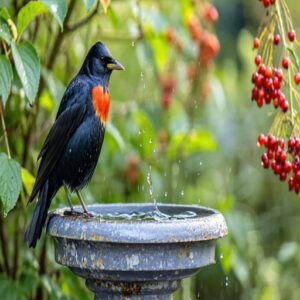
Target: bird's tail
{"x": 38, "y": 220}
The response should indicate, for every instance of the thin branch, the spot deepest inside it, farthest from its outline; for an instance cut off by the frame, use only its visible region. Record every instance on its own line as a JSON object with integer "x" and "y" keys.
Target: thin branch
{"x": 16, "y": 247}
{"x": 72, "y": 27}
{"x": 4, "y": 129}
{"x": 42, "y": 270}
{"x": 4, "y": 244}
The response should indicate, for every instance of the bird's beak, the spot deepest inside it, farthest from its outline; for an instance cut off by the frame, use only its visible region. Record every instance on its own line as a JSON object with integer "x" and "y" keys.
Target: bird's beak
{"x": 115, "y": 65}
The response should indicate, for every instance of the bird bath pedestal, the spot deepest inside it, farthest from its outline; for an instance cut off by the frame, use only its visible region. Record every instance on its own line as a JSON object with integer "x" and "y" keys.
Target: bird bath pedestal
{"x": 135, "y": 259}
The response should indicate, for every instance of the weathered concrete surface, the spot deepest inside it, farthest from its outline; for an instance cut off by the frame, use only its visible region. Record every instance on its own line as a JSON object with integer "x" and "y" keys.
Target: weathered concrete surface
{"x": 135, "y": 259}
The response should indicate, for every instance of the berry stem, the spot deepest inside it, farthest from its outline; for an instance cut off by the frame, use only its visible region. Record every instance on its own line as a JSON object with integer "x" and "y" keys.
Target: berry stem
{"x": 285, "y": 45}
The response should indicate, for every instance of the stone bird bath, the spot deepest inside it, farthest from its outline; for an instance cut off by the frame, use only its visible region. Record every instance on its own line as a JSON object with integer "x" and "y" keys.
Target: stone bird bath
{"x": 136, "y": 259}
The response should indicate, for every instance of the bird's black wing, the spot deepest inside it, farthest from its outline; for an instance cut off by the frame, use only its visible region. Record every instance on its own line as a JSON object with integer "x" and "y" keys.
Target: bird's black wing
{"x": 56, "y": 141}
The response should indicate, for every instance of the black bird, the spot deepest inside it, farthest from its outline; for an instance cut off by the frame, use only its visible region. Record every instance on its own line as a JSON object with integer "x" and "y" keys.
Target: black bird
{"x": 72, "y": 148}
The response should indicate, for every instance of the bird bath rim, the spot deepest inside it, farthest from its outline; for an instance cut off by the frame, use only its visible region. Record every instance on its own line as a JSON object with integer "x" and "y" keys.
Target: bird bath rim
{"x": 209, "y": 225}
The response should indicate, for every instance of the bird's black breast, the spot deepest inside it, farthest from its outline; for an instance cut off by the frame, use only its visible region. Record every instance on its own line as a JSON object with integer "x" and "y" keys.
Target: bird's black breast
{"x": 81, "y": 154}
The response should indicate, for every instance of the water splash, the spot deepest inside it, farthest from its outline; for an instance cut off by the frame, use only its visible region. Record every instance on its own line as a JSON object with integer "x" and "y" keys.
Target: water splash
{"x": 153, "y": 215}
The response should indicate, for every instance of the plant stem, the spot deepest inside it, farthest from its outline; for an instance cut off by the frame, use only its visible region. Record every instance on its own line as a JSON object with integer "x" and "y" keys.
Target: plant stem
{"x": 4, "y": 129}
{"x": 283, "y": 34}
{"x": 4, "y": 244}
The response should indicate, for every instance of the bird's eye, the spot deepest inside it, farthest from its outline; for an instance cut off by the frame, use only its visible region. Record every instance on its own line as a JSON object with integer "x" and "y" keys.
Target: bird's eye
{"x": 102, "y": 58}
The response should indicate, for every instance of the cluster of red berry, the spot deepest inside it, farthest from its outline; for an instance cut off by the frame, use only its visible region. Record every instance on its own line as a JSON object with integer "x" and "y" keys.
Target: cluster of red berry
{"x": 276, "y": 157}
{"x": 208, "y": 48}
{"x": 267, "y": 86}
{"x": 167, "y": 85}
{"x": 267, "y": 3}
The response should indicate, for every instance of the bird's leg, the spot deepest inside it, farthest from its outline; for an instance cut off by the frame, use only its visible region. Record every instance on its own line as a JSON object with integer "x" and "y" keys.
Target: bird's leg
{"x": 81, "y": 201}
{"x": 69, "y": 199}
{"x": 72, "y": 211}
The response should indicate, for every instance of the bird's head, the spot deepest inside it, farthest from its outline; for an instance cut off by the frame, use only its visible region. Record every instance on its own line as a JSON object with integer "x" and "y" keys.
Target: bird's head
{"x": 99, "y": 63}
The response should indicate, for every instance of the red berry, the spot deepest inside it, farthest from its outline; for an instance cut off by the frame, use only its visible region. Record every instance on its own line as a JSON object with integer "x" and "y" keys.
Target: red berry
{"x": 266, "y": 3}
{"x": 269, "y": 72}
{"x": 260, "y": 102}
{"x": 285, "y": 62}
{"x": 261, "y": 140}
{"x": 292, "y": 35}
{"x": 276, "y": 39}
{"x": 297, "y": 78}
{"x": 262, "y": 70}
{"x": 257, "y": 60}
{"x": 276, "y": 83}
{"x": 285, "y": 106}
{"x": 256, "y": 43}
{"x": 287, "y": 167}
{"x": 283, "y": 176}
{"x": 291, "y": 184}
{"x": 272, "y": 2}
{"x": 211, "y": 14}
{"x": 279, "y": 74}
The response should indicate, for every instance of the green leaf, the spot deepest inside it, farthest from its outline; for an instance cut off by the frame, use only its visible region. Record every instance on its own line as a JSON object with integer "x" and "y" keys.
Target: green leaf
{"x": 28, "y": 180}
{"x": 146, "y": 136}
{"x": 115, "y": 133}
{"x": 27, "y": 64}
{"x": 58, "y": 9}
{"x": 189, "y": 143}
{"x": 5, "y": 32}
{"x": 88, "y": 3}
{"x": 6, "y": 75}
{"x": 28, "y": 13}
{"x": 10, "y": 182}
{"x": 4, "y": 13}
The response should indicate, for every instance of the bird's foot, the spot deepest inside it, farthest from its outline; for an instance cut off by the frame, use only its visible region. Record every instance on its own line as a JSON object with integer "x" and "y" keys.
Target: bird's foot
{"x": 73, "y": 213}
{"x": 87, "y": 214}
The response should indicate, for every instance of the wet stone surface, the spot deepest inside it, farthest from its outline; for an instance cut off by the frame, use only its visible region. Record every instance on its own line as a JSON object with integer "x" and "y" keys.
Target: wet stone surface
{"x": 123, "y": 251}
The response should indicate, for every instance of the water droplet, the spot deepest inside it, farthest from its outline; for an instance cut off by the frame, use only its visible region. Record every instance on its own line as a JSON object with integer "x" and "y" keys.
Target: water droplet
{"x": 70, "y": 150}
{"x": 132, "y": 44}
{"x": 200, "y": 163}
{"x": 226, "y": 281}
{"x": 140, "y": 132}
{"x": 166, "y": 194}
{"x": 150, "y": 141}
{"x": 221, "y": 256}
{"x": 182, "y": 193}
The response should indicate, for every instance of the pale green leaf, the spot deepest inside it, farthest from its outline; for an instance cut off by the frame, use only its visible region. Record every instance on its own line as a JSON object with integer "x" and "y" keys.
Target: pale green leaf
{"x": 191, "y": 142}
{"x": 115, "y": 133}
{"x": 5, "y": 33}
{"x": 10, "y": 182}
{"x": 89, "y": 3}
{"x": 28, "y": 180}
{"x": 58, "y": 9}
{"x": 28, "y": 13}
{"x": 28, "y": 68}
{"x": 6, "y": 75}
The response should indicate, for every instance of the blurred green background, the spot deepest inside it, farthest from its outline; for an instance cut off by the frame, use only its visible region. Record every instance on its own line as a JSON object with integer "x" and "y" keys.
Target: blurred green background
{"x": 198, "y": 149}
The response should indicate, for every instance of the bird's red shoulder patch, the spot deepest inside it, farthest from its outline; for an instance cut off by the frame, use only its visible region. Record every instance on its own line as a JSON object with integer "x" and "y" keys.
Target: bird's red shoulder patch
{"x": 101, "y": 103}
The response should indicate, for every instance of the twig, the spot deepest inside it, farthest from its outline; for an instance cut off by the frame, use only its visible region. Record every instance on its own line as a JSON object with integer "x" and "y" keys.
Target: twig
{"x": 16, "y": 247}
{"x": 42, "y": 270}
{"x": 72, "y": 27}
{"x": 4, "y": 129}
{"x": 4, "y": 245}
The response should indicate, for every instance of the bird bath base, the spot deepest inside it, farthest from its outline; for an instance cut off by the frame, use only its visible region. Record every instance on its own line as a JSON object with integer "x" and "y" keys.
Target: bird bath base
{"x": 135, "y": 259}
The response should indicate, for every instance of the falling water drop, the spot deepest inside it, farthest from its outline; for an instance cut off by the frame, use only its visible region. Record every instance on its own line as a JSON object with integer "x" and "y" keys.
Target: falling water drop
{"x": 226, "y": 281}
{"x": 166, "y": 194}
{"x": 132, "y": 44}
{"x": 221, "y": 256}
{"x": 182, "y": 193}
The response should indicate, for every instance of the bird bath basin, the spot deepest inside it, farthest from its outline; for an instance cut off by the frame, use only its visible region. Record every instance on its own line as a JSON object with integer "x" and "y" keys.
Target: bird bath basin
{"x": 125, "y": 251}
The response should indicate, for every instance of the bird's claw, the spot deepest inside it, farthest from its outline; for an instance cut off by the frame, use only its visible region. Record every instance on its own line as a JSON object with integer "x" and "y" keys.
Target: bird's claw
{"x": 72, "y": 212}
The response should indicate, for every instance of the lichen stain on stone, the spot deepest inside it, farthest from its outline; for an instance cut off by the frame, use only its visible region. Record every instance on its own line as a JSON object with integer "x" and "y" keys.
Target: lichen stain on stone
{"x": 132, "y": 261}
{"x": 98, "y": 264}
{"x": 96, "y": 237}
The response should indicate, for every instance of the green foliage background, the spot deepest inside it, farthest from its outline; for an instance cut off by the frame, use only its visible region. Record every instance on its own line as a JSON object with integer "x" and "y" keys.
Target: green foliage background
{"x": 210, "y": 159}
